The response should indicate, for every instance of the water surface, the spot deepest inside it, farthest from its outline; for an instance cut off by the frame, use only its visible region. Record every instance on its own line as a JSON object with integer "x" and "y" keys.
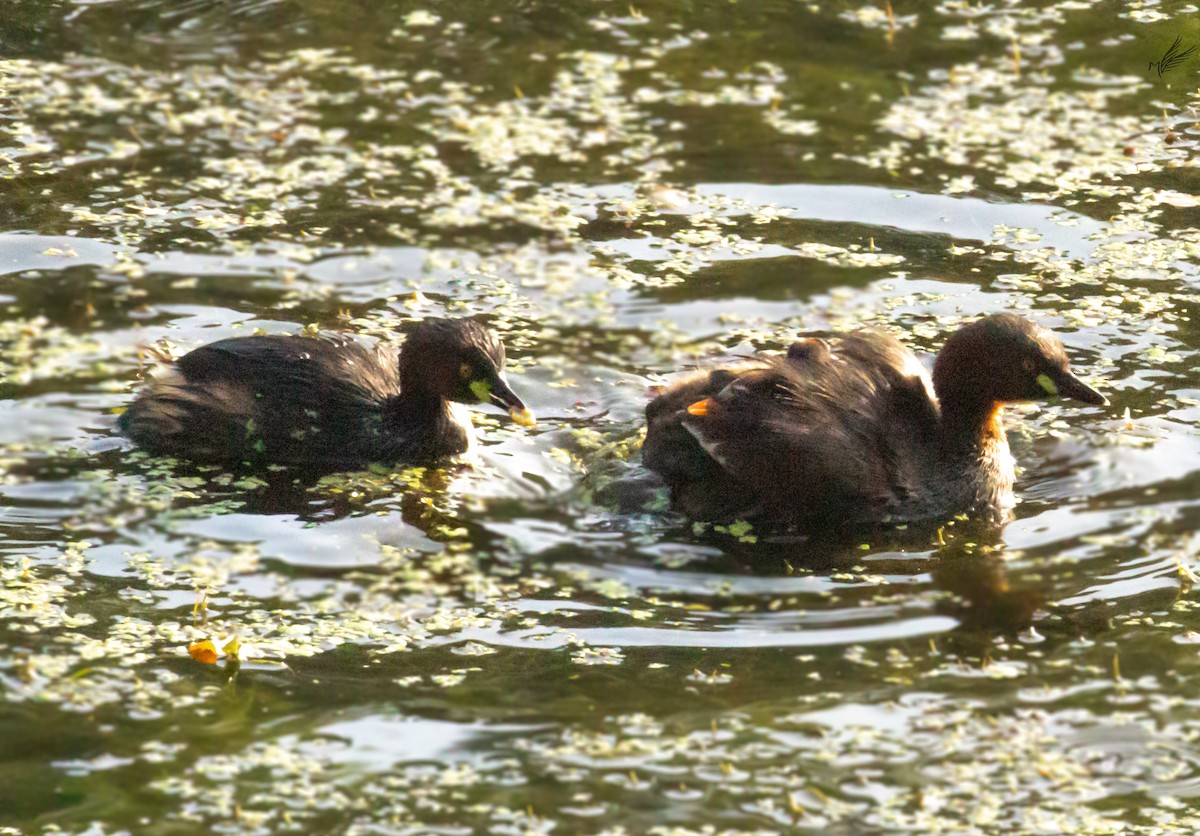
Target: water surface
{"x": 622, "y": 191}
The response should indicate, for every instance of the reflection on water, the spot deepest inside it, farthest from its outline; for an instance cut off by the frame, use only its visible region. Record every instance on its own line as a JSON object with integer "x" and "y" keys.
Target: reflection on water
{"x": 527, "y": 641}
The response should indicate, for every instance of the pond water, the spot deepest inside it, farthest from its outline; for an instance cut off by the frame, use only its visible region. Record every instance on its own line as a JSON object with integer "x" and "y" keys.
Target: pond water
{"x": 511, "y": 645}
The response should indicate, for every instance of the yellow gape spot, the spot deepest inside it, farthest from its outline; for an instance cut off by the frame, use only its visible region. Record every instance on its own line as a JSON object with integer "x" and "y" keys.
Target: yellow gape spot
{"x": 482, "y": 390}
{"x": 1046, "y": 383}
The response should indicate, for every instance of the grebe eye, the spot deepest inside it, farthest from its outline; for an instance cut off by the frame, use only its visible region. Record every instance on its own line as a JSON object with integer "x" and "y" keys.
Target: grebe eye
{"x": 1028, "y": 365}
{"x": 464, "y": 371}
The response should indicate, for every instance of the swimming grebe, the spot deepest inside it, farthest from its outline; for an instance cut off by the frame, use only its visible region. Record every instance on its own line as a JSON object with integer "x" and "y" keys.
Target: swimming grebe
{"x": 325, "y": 403}
{"x": 851, "y": 430}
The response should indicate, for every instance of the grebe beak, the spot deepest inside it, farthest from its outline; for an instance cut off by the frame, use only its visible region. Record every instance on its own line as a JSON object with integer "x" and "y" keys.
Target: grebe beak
{"x": 1068, "y": 385}
{"x": 504, "y": 396}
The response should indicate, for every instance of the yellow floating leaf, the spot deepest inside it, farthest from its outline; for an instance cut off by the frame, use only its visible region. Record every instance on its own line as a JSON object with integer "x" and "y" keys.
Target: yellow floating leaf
{"x": 204, "y": 652}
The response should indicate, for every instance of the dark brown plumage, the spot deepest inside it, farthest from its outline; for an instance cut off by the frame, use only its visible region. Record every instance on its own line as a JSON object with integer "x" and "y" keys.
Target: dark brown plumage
{"x": 850, "y": 429}
{"x": 324, "y": 403}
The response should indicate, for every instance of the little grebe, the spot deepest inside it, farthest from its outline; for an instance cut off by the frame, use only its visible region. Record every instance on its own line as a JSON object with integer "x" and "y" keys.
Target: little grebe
{"x": 325, "y": 403}
{"x": 851, "y": 430}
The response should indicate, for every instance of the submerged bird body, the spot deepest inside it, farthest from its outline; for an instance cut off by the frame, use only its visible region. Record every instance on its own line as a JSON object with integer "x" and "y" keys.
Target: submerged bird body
{"x": 324, "y": 402}
{"x": 851, "y": 430}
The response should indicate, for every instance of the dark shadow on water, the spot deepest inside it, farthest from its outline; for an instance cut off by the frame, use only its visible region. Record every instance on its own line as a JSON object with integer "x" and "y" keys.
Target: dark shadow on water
{"x": 312, "y": 496}
{"x": 964, "y": 557}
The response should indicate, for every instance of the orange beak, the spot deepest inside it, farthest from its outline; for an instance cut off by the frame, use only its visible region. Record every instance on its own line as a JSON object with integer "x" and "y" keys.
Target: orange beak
{"x": 700, "y": 408}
